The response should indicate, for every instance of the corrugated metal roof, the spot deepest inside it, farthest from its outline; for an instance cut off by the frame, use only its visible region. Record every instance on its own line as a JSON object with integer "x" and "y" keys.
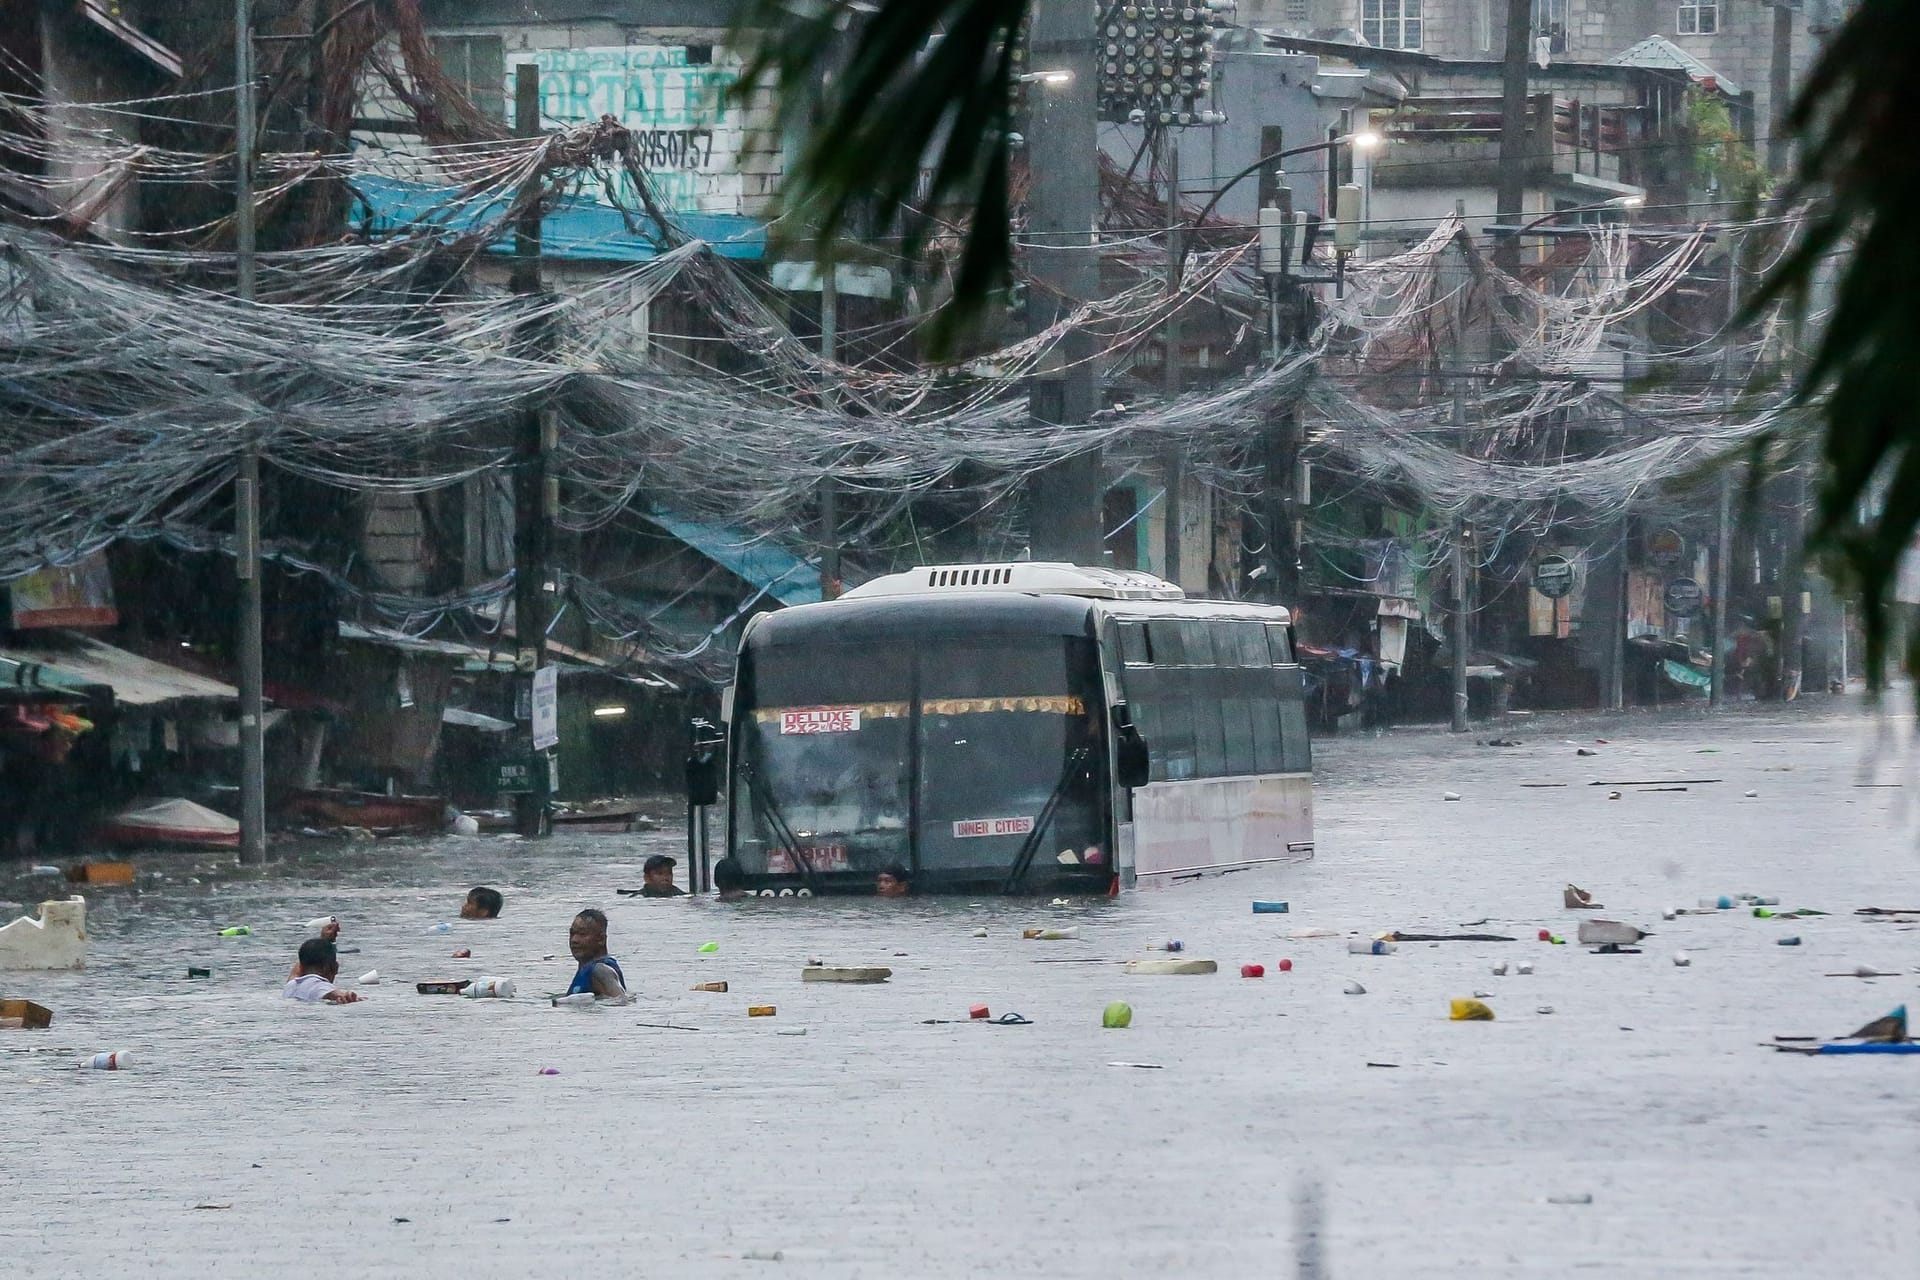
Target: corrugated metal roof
{"x": 69, "y": 660}
{"x": 757, "y": 561}
{"x": 1662, "y": 54}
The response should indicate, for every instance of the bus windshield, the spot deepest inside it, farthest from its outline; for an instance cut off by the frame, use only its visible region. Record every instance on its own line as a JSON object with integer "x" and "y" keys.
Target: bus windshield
{"x": 951, "y": 758}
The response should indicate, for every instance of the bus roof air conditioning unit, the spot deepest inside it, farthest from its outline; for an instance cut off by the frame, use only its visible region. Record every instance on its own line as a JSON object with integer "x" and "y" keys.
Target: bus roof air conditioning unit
{"x": 1032, "y": 577}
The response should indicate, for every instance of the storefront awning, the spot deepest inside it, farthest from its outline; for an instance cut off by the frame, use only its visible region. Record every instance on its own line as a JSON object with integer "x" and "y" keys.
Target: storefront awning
{"x": 69, "y": 663}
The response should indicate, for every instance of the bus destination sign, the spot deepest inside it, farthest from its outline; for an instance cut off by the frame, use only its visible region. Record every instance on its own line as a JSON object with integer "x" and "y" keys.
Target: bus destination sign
{"x": 992, "y": 827}
{"x": 820, "y": 720}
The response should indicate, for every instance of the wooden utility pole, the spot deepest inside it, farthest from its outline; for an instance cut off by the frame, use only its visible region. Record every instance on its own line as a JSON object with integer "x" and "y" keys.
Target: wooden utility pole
{"x": 532, "y": 512}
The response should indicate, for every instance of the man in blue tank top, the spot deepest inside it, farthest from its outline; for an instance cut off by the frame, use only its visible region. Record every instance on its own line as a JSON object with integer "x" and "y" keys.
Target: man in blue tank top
{"x": 599, "y": 972}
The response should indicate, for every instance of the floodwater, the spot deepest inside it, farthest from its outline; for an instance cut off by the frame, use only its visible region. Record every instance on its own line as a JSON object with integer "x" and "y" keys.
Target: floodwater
{"x": 414, "y": 1136}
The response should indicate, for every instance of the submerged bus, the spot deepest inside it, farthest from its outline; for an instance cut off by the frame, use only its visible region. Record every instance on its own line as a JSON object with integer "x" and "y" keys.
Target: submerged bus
{"x": 1025, "y": 727}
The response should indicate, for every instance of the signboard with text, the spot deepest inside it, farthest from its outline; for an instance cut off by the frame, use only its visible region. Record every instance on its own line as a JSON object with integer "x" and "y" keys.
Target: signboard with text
{"x": 546, "y": 708}
{"x": 972, "y": 828}
{"x": 820, "y": 720}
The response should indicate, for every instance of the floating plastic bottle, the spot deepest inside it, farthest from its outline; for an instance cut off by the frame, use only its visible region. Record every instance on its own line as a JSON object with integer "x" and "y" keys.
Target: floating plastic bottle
{"x": 237, "y": 931}
{"x": 442, "y": 927}
{"x": 119, "y": 1060}
{"x": 708, "y": 948}
{"x": 1051, "y": 935}
{"x": 1370, "y": 947}
{"x": 489, "y": 989}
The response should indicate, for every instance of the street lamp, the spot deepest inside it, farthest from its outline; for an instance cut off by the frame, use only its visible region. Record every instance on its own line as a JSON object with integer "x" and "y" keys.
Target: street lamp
{"x": 1361, "y": 140}
{"x": 1618, "y": 202}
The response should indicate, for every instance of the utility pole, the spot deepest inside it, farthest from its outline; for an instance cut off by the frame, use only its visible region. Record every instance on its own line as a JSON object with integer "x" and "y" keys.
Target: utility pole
{"x": 1064, "y": 498}
{"x": 1458, "y": 533}
{"x": 1171, "y": 463}
{"x": 531, "y": 506}
{"x": 246, "y": 489}
{"x": 1281, "y": 453}
{"x": 1780, "y": 90}
{"x": 1510, "y": 189}
{"x": 829, "y": 487}
{"x": 1723, "y": 531}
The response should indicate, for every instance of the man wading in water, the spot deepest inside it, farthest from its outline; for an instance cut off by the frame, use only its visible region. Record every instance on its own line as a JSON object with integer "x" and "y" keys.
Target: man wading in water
{"x": 599, "y": 972}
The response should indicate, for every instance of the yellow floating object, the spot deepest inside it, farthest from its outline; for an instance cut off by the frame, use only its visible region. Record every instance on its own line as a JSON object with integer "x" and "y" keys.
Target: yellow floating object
{"x": 759, "y": 1011}
{"x": 1470, "y": 1011}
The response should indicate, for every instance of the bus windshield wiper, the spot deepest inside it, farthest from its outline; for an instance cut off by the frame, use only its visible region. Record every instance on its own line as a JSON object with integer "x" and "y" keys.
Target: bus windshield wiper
{"x": 769, "y": 811}
{"x": 1017, "y": 874}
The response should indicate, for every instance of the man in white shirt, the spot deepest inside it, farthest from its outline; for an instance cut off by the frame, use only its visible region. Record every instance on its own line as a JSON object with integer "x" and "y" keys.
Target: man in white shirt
{"x": 313, "y": 976}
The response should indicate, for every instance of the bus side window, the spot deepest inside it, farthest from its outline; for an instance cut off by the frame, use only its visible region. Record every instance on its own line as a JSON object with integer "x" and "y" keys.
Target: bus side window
{"x": 1240, "y": 644}
{"x": 1134, "y": 650}
{"x": 1165, "y": 644}
{"x": 1267, "y": 754}
{"x": 1197, "y": 637}
{"x": 1209, "y": 729}
{"x": 1296, "y": 752}
{"x": 1236, "y": 718}
{"x": 1280, "y": 644}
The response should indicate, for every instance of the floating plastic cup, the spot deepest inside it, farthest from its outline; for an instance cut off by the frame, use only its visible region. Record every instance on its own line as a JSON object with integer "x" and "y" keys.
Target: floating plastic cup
{"x": 116, "y": 1061}
{"x": 1370, "y": 947}
{"x": 490, "y": 989}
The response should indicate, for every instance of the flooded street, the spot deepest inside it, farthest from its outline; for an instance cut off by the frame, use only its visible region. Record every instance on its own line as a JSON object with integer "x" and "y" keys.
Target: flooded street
{"x": 415, "y": 1136}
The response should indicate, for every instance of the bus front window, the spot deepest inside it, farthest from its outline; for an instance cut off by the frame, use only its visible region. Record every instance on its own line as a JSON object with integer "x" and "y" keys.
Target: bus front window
{"x": 824, "y": 761}
{"x": 1010, "y": 741}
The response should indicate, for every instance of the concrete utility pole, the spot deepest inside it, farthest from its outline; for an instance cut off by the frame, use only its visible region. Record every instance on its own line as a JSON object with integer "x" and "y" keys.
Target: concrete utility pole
{"x": 532, "y": 510}
{"x": 829, "y": 487}
{"x": 1780, "y": 91}
{"x": 1510, "y": 191}
{"x": 246, "y": 489}
{"x": 1172, "y": 464}
{"x": 1063, "y": 204}
{"x": 1462, "y": 631}
{"x": 1280, "y": 494}
{"x": 1723, "y": 532}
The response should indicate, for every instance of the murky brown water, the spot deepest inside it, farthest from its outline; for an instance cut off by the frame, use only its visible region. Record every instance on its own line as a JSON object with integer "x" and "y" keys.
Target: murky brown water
{"x": 877, "y": 1145}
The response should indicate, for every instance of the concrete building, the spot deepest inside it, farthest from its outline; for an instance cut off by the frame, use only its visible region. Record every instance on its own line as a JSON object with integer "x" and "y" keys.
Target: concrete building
{"x": 72, "y": 57}
{"x": 1761, "y": 46}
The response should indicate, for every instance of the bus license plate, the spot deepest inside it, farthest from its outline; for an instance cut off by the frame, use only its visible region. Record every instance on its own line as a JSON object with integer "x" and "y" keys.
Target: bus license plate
{"x": 823, "y": 857}
{"x": 973, "y": 827}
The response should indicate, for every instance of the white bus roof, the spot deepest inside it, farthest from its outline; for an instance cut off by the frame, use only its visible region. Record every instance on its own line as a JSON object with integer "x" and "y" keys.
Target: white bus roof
{"x": 1122, "y": 592}
{"x": 1036, "y": 577}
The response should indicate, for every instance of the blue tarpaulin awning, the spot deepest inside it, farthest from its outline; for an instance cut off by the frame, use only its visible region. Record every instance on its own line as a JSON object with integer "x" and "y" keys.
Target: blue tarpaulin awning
{"x": 766, "y": 565}
{"x": 579, "y": 228}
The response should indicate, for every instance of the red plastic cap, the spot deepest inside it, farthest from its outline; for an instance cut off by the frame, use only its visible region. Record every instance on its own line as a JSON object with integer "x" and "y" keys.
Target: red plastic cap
{"x": 1546, "y": 935}
{"x": 1253, "y": 971}
{"x": 1286, "y": 966}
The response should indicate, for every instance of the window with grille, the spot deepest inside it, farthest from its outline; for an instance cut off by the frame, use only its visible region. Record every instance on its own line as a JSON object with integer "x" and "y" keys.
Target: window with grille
{"x": 1390, "y": 24}
{"x": 1702, "y": 19}
{"x": 478, "y": 65}
{"x": 1300, "y": 11}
